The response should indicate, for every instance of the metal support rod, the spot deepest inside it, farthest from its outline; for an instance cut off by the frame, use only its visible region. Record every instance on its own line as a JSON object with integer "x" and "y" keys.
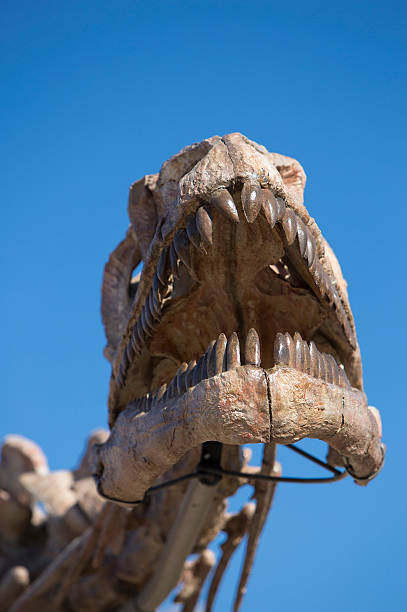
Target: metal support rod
{"x": 180, "y": 542}
{"x": 184, "y": 534}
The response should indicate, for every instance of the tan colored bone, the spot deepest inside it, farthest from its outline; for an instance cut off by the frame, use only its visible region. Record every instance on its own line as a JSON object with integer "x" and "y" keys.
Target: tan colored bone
{"x": 233, "y": 408}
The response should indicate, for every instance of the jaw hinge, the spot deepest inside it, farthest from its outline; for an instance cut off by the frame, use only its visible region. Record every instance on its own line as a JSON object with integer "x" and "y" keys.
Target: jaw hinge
{"x": 210, "y": 458}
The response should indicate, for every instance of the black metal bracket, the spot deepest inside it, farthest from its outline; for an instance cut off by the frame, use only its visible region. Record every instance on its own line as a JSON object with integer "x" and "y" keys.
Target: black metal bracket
{"x": 210, "y": 460}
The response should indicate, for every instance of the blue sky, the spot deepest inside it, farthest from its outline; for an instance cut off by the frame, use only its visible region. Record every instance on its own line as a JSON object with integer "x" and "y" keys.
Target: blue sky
{"x": 97, "y": 94}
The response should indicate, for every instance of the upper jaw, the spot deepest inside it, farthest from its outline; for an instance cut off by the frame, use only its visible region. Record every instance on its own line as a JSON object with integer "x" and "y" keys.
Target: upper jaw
{"x": 204, "y": 206}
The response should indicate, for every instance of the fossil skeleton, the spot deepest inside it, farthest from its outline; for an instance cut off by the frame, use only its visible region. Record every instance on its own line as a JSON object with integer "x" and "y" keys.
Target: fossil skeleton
{"x": 238, "y": 330}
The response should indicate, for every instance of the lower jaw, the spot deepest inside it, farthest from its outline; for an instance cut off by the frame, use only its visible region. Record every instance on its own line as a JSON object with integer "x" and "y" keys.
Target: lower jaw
{"x": 305, "y": 394}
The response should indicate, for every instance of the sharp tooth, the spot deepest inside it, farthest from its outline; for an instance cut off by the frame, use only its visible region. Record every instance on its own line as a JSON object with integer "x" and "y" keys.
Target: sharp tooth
{"x": 154, "y": 306}
{"x": 311, "y": 248}
{"x": 281, "y": 208}
{"x": 149, "y": 315}
{"x": 129, "y": 351}
{"x": 220, "y": 353}
{"x": 307, "y": 358}
{"x": 188, "y": 374}
{"x": 136, "y": 340}
{"x": 144, "y": 323}
{"x": 302, "y": 237}
{"x": 212, "y": 362}
{"x": 172, "y": 388}
{"x": 161, "y": 392}
{"x": 270, "y": 207}
{"x": 225, "y": 204}
{"x": 207, "y": 368}
{"x": 291, "y": 350}
{"x": 334, "y": 370}
{"x": 204, "y": 225}
{"x": 156, "y": 287}
{"x": 322, "y": 367}
{"x": 314, "y": 354}
{"x": 299, "y": 352}
{"x": 233, "y": 352}
{"x": 343, "y": 379}
{"x": 181, "y": 386}
{"x": 182, "y": 247}
{"x": 174, "y": 262}
{"x": 281, "y": 352}
{"x": 289, "y": 223}
{"x": 328, "y": 368}
{"x": 252, "y": 348}
{"x": 141, "y": 333}
{"x": 196, "y": 374}
{"x": 193, "y": 233}
{"x": 162, "y": 267}
{"x": 252, "y": 198}
{"x": 317, "y": 273}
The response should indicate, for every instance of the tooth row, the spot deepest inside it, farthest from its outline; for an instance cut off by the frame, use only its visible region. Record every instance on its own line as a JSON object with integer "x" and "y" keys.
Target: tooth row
{"x": 198, "y": 232}
{"x": 297, "y": 353}
{"x": 148, "y": 320}
{"x": 221, "y": 355}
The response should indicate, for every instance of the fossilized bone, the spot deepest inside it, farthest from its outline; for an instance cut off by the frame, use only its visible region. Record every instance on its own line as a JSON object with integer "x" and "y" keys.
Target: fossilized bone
{"x": 238, "y": 330}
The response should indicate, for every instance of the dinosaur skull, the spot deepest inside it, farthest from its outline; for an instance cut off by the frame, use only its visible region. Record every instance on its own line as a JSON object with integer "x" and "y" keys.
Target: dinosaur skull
{"x": 227, "y": 245}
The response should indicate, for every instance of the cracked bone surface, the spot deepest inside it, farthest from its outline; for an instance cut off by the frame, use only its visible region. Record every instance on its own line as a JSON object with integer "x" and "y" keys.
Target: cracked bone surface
{"x": 238, "y": 330}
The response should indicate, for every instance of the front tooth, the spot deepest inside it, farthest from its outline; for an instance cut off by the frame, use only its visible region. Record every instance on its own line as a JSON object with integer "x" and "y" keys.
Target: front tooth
{"x": 204, "y": 225}
{"x": 314, "y": 354}
{"x": 181, "y": 386}
{"x": 281, "y": 352}
{"x": 289, "y": 225}
{"x": 322, "y": 367}
{"x": 307, "y": 359}
{"x": 299, "y": 352}
{"x": 172, "y": 389}
{"x": 311, "y": 248}
{"x": 302, "y": 237}
{"x": 193, "y": 233}
{"x": 188, "y": 374}
{"x": 174, "y": 262}
{"x": 252, "y": 348}
{"x": 252, "y": 198}
{"x": 182, "y": 247}
{"x": 220, "y": 353}
{"x": 162, "y": 267}
{"x": 291, "y": 350}
{"x": 328, "y": 368}
{"x": 281, "y": 208}
{"x": 209, "y": 367}
{"x": 212, "y": 362}
{"x": 270, "y": 207}
{"x": 225, "y": 204}
{"x": 233, "y": 352}
{"x": 161, "y": 392}
{"x": 334, "y": 370}
{"x": 196, "y": 374}
{"x": 343, "y": 379}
